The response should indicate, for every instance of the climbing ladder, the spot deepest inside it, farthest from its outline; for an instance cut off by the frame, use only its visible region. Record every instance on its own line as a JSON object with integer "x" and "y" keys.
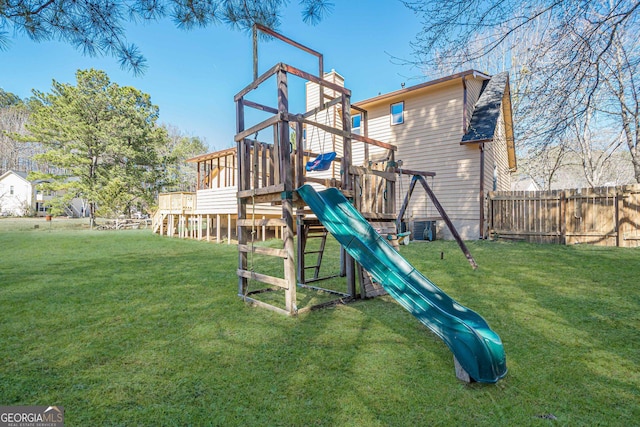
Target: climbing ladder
{"x": 313, "y": 232}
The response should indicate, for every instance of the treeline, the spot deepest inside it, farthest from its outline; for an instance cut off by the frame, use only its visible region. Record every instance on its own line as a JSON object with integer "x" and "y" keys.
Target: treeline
{"x": 97, "y": 141}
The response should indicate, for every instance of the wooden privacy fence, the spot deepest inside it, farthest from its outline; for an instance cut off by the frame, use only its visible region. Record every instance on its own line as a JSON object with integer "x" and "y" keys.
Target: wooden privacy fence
{"x": 607, "y": 216}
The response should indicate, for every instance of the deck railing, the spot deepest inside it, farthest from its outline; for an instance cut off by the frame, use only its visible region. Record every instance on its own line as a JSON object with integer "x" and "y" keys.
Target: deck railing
{"x": 177, "y": 202}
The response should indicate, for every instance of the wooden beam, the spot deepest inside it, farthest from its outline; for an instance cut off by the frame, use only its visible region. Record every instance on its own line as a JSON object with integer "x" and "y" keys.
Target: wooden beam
{"x": 254, "y": 34}
{"x": 322, "y": 107}
{"x": 286, "y": 173}
{"x": 320, "y": 81}
{"x": 269, "y": 222}
{"x": 257, "y": 82}
{"x": 278, "y": 188}
{"x": 342, "y": 133}
{"x": 261, "y": 107}
{"x": 375, "y": 142}
{"x": 287, "y": 40}
{"x": 243, "y": 183}
{"x": 405, "y": 204}
{"x": 264, "y": 305}
{"x": 261, "y": 250}
{"x": 359, "y": 170}
{"x": 299, "y": 153}
{"x": 414, "y": 172}
{"x": 291, "y": 42}
{"x": 359, "y": 109}
{"x": 446, "y": 219}
{"x": 327, "y": 182}
{"x": 256, "y": 128}
{"x": 270, "y": 280}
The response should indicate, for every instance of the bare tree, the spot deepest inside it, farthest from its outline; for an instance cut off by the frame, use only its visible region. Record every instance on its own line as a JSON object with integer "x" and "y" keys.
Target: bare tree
{"x": 567, "y": 58}
{"x": 544, "y": 166}
{"x": 13, "y": 153}
{"x": 623, "y": 106}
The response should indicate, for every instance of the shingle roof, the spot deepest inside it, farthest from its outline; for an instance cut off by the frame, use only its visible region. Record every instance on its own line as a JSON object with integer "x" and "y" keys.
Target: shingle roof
{"x": 487, "y": 111}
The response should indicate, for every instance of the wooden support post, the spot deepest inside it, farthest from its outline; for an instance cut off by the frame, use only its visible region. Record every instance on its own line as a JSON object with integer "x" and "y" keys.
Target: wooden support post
{"x": 562, "y": 218}
{"x": 255, "y": 53}
{"x": 208, "y": 228}
{"x": 446, "y": 219}
{"x": 391, "y": 187}
{"x": 619, "y": 228}
{"x": 229, "y": 229}
{"x": 299, "y": 156}
{"x": 176, "y": 226}
{"x": 243, "y": 184}
{"x": 198, "y": 182}
{"x": 218, "y": 231}
{"x": 287, "y": 195}
{"x": 347, "y": 184}
{"x": 255, "y": 164}
{"x": 276, "y": 155}
{"x": 301, "y": 245}
{"x": 405, "y": 204}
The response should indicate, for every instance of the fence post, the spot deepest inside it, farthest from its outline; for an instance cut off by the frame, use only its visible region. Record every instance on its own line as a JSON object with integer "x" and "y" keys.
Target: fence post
{"x": 616, "y": 204}
{"x": 562, "y": 217}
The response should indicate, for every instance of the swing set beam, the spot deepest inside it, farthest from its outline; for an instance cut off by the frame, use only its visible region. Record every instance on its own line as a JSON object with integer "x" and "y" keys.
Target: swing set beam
{"x": 443, "y": 214}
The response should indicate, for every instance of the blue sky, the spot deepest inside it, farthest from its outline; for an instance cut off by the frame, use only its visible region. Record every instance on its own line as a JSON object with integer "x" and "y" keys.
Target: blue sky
{"x": 193, "y": 75}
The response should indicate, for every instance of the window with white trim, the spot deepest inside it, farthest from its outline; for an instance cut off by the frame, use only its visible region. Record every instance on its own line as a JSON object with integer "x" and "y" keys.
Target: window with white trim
{"x": 397, "y": 113}
{"x": 356, "y": 122}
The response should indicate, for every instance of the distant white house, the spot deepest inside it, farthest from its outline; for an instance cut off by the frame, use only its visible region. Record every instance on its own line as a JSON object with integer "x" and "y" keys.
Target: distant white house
{"x": 525, "y": 183}
{"x": 21, "y": 197}
{"x": 17, "y": 194}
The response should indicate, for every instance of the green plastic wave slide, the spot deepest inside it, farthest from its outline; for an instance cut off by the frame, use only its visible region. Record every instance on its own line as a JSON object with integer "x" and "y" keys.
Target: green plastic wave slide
{"x": 476, "y": 347}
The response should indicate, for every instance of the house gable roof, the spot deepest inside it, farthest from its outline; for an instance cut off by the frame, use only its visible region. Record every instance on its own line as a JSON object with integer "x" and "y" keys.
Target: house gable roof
{"x": 22, "y": 175}
{"x": 495, "y": 98}
{"x": 487, "y": 110}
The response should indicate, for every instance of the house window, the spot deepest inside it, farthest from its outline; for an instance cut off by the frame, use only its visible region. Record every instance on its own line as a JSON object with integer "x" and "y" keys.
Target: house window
{"x": 355, "y": 124}
{"x": 397, "y": 113}
{"x": 11, "y": 190}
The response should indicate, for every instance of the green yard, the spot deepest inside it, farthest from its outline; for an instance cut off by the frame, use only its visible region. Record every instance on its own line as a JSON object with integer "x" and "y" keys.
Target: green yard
{"x": 128, "y": 328}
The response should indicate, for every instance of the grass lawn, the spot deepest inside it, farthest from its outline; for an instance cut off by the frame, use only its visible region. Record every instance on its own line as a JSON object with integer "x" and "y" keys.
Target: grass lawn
{"x": 129, "y": 328}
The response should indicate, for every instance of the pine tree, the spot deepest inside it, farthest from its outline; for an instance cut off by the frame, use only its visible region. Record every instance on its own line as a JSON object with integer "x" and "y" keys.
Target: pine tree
{"x": 105, "y": 136}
